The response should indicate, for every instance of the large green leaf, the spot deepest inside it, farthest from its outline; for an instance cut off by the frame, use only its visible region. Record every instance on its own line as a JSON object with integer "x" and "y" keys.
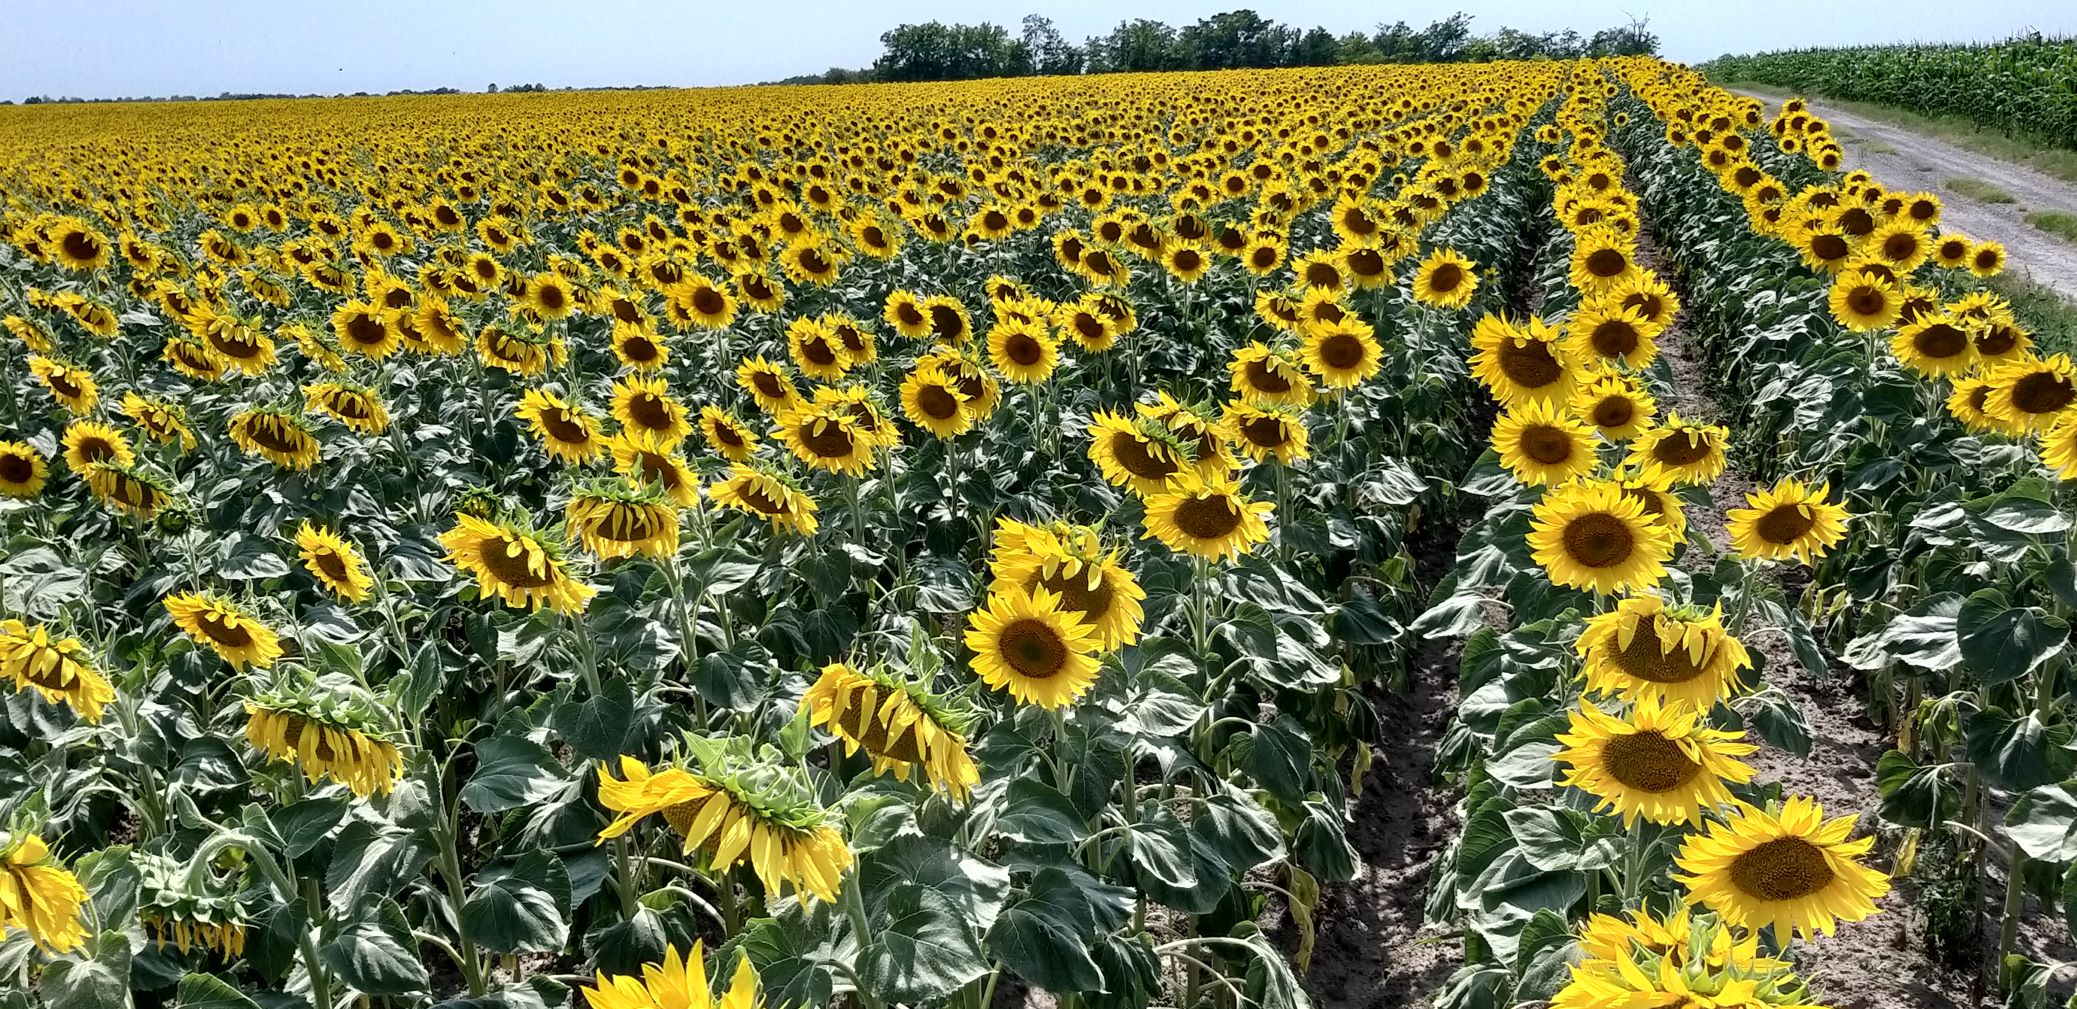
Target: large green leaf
{"x": 2002, "y": 642}
{"x": 520, "y": 907}
{"x": 923, "y": 948}
{"x": 2017, "y": 752}
{"x": 207, "y": 991}
{"x": 512, "y": 771}
{"x": 1036, "y": 813}
{"x": 375, "y": 952}
{"x": 1044, "y": 936}
{"x": 95, "y": 976}
{"x": 2043, "y": 823}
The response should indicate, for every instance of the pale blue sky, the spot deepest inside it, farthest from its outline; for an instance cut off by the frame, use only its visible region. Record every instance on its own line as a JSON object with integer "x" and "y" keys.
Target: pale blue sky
{"x": 103, "y": 48}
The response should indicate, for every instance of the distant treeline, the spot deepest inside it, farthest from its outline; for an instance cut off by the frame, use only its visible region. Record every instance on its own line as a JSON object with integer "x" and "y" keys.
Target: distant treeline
{"x": 935, "y": 51}
{"x": 236, "y": 96}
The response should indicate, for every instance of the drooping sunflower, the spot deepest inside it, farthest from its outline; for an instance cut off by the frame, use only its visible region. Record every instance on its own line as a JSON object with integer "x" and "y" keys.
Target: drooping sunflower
{"x": 645, "y": 406}
{"x": 1260, "y": 374}
{"x": 2030, "y": 395}
{"x": 90, "y": 443}
{"x": 933, "y": 401}
{"x": 566, "y": 432}
{"x": 1543, "y": 444}
{"x": 515, "y": 564}
{"x": 730, "y": 438}
{"x": 161, "y": 420}
{"x": 616, "y": 518}
{"x": 1680, "y": 655}
{"x": 1344, "y": 353}
{"x": 356, "y": 406}
{"x": 1522, "y": 362}
{"x": 1445, "y": 279}
{"x": 1591, "y": 536}
{"x": 1268, "y": 431}
{"x": 1789, "y": 520}
{"x": 768, "y": 495}
{"x": 1862, "y": 302}
{"x": 1138, "y": 453}
{"x": 1685, "y": 451}
{"x": 899, "y": 723}
{"x": 676, "y": 983}
{"x": 38, "y": 895}
{"x": 277, "y": 436}
{"x": 1027, "y": 644}
{"x": 23, "y": 472}
{"x": 644, "y": 460}
{"x": 1616, "y": 404}
{"x": 768, "y": 385}
{"x": 128, "y": 488}
{"x": 1794, "y": 871}
{"x": 59, "y": 669}
{"x": 325, "y": 739}
{"x": 731, "y": 814}
{"x": 71, "y": 385}
{"x": 1660, "y": 761}
{"x": 1073, "y": 563}
{"x": 334, "y": 562}
{"x": 1206, "y": 516}
{"x": 240, "y": 638}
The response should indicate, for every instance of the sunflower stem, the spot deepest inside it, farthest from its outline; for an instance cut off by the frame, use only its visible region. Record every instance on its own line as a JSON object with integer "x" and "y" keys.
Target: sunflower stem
{"x": 854, "y": 907}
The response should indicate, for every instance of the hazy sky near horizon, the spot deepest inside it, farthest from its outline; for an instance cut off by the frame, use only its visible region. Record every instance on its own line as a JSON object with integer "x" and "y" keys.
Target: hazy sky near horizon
{"x": 108, "y": 48}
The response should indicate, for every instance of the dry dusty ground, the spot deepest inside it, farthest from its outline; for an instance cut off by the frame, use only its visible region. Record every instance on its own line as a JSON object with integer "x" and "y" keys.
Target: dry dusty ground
{"x": 1899, "y": 158}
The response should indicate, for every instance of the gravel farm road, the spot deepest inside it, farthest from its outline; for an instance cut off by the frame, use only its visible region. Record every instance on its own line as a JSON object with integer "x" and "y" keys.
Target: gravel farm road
{"x": 1900, "y": 158}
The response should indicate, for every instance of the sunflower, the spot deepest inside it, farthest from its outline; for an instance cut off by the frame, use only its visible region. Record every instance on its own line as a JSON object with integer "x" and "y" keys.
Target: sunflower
{"x": 549, "y": 295}
{"x": 1794, "y": 871}
{"x": 905, "y": 312}
{"x": 1140, "y": 453}
{"x": 515, "y": 564}
{"x": 1025, "y": 352}
{"x": 566, "y": 432}
{"x": 1591, "y": 536}
{"x": 816, "y": 351}
{"x": 676, "y": 983}
{"x": 645, "y": 406}
{"x": 728, "y": 437}
{"x": 1861, "y": 302}
{"x": 1679, "y": 655}
{"x": 58, "y": 669}
{"x": 1685, "y": 451}
{"x": 366, "y": 329}
{"x": 1205, "y": 515}
{"x": 827, "y": 437}
{"x": 71, "y": 385}
{"x": 128, "y": 488}
{"x": 1186, "y": 261}
{"x": 638, "y": 347}
{"x": 1602, "y": 259}
{"x": 525, "y": 355}
{"x": 356, "y": 406}
{"x": 768, "y": 495}
{"x": 949, "y": 323}
{"x": 38, "y": 896}
{"x": 698, "y": 302}
{"x": 1267, "y": 431}
{"x": 1445, "y": 279}
{"x": 1787, "y": 521}
{"x": 1660, "y": 761}
{"x": 334, "y": 562}
{"x": 77, "y": 246}
{"x": 1543, "y": 445}
{"x": 1605, "y": 332}
{"x": 933, "y": 401}
{"x": 1615, "y": 404}
{"x": 732, "y": 815}
{"x": 901, "y": 725}
{"x": 162, "y": 421}
{"x": 277, "y": 436}
{"x": 89, "y": 443}
{"x": 193, "y": 359}
{"x": 1265, "y": 376}
{"x": 1072, "y": 562}
{"x": 324, "y": 745}
{"x": 1935, "y": 345}
{"x": 1967, "y": 404}
{"x": 768, "y": 385}
{"x": 2058, "y": 448}
{"x": 1343, "y": 354}
{"x": 2030, "y": 395}
{"x": 1649, "y": 296}
{"x": 1026, "y": 643}
{"x": 240, "y": 638}
{"x": 23, "y": 471}
{"x": 645, "y": 460}
{"x": 615, "y": 519}
{"x": 1522, "y": 362}
{"x": 1986, "y": 259}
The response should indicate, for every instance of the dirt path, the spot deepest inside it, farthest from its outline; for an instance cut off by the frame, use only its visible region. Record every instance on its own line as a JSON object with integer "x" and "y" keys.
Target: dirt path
{"x": 1899, "y": 158}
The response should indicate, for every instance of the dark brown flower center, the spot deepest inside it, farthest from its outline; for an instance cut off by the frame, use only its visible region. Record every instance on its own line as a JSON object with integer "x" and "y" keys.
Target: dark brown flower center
{"x": 1785, "y": 524}
{"x": 507, "y": 560}
{"x": 1139, "y": 457}
{"x": 1598, "y": 540}
{"x": 1208, "y": 518}
{"x": 1648, "y": 762}
{"x": 1033, "y": 649}
{"x": 2042, "y": 392}
{"x": 1546, "y": 444}
{"x": 1785, "y": 868}
{"x": 1529, "y": 363}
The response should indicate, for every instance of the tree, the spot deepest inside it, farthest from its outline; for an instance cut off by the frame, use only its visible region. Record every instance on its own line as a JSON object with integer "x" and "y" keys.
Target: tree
{"x": 1051, "y": 54}
{"x": 1316, "y": 48}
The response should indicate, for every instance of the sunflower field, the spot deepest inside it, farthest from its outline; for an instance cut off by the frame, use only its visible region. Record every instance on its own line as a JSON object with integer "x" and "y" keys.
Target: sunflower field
{"x": 906, "y": 545}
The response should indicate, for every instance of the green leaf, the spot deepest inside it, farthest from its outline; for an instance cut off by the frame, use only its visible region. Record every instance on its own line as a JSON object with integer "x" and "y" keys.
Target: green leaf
{"x": 372, "y": 858}
{"x": 303, "y": 825}
{"x": 1044, "y": 937}
{"x": 1279, "y": 757}
{"x": 376, "y": 954}
{"x": 922, "y": 948}
{"x": 2043, "y": 823}
{"x": 2002, "y": 642}
{"x": 95, "y": 976}
{"x": 249, "y": 558}
{"x": 512, "y": 771}
{"x": 2017, "y": 752}
{"x": 207, "y": 991}
{"x": 1036, "y": 813}
{"x": 522, "y": 907}
{"x": 1916, "y": 796}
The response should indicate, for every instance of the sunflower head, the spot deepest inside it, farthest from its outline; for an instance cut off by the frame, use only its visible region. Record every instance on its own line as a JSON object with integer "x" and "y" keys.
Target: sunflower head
{"x": 226, "y": 627}
{"x": 1788, "y": 521}
{"x": 768, "y": 494}
{"x": 508, "y": 559}
{"x": 616, "y": 518}
{"x": 328, "y": 731}
{"x": 1792, "y": 870}
{"x": 1591, "y": 536}
{"x": 1659, "y": 762}
{"x": 898, "y": 722}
